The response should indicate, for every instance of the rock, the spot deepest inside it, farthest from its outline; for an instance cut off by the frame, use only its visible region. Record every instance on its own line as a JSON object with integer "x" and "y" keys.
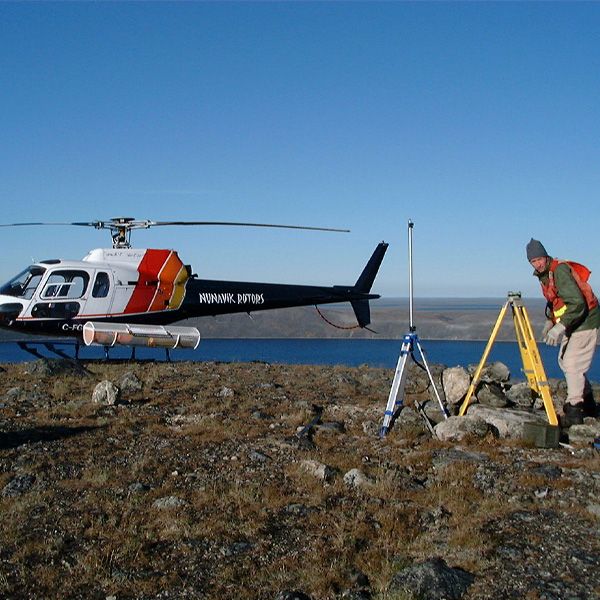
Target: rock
{"x": 447, "y": 456}
{"x": 432, "y": 579}
{"x": 258, "y": 457}
{"x": 130, "y": 382}
{"x": 317, "y": 469}
{"x": 594, "y": 509}
{"x": 169, "y": 502}
{"x": 292, "y": 595}
{"x": 106, "y": 393}
{"x": 454, "y": 429}
{"x": 520, "y": 394}
{"x": 455, "y": 382}
{"x": 226, "y": 392}
{"x": 549, "y": 471}
{"x": 507, "y": 422}
{"x": 331, "y": 427}
{"x": 496, "y": 372}
{"x": 356, "y": 479}
{"x": 19, "y": 485}
{"x": 138, "y": 488}
{"x": 491, "y": 394}
{"x": 585, "y": 433}
{"x": 45, "y": 367}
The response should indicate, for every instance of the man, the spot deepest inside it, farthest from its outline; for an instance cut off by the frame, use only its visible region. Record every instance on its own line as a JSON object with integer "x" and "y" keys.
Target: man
{"x": 573, "y": 320}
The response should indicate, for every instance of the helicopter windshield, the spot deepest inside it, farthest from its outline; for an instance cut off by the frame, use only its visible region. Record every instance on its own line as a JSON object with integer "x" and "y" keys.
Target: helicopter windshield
{"x": 24, "y": 284}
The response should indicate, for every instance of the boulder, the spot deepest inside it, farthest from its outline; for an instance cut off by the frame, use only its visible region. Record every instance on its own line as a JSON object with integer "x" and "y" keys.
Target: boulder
{"x": 454, "y": 429}
{"x": 456, "y": 382}
{"x": 509, "y": 423}
{"x": 491, "y": 394}
{"x": 130, "y": 382}
{"x": 520, "y": 394}
{"x": 317, "y": 469}
{"x": 169, "y": 502}
{"x": 45, "y": 367}
{"x": 584, "y": 434}
{"x": 106, "y": 393}
{"x": 432, "y": 579}
{"x": 356, "y": 479}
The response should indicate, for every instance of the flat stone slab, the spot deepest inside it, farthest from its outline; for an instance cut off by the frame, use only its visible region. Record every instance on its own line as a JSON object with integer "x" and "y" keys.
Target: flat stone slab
{"x": 508, "y": 423}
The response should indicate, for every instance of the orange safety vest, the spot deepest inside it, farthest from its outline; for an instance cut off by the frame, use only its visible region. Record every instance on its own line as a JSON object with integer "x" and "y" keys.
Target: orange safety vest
{"x": 580, "y": 274}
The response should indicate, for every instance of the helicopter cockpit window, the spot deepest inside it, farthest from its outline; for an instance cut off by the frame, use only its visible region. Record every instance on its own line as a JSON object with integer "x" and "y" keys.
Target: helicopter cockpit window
{"x": 24, "y": 284}
{"x": 66, "y": 285}
{"x": 101, "y": 285}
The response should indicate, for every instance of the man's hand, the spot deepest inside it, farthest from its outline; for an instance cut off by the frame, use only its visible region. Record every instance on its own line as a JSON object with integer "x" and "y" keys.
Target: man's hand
{"x": 553, "y": 336}
{"x": 547, "y": 327}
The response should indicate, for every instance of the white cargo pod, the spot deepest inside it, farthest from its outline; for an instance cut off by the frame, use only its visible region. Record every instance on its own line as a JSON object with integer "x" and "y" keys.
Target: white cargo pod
{"x": 152, "y": 336}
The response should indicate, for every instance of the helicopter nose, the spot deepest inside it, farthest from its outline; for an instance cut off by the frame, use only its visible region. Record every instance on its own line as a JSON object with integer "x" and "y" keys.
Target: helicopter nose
{"x": 9, "y": 311}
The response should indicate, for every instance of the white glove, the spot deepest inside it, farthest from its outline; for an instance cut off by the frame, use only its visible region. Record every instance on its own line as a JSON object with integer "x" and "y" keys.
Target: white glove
{"x": 547, "y": 327}
{"x": 553, "y": 336}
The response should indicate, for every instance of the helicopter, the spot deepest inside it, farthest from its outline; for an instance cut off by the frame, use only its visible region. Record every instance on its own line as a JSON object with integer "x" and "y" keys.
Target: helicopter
{"x": 131, "y": 297}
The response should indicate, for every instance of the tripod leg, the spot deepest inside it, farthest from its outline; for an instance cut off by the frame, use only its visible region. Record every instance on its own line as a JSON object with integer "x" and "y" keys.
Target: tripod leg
{"x": 397, "y": 390}
{"x": 442, "y": 407}
{"x": 483, "y": 360}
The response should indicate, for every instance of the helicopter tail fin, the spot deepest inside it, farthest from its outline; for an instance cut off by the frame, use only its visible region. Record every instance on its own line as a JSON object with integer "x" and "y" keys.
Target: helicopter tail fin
{"x": 367, "y": 277}
{"x": 363, "y": 285}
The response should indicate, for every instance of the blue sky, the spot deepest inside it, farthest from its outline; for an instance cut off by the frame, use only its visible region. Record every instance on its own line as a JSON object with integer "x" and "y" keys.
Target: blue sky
{"x": 478, "y": 121}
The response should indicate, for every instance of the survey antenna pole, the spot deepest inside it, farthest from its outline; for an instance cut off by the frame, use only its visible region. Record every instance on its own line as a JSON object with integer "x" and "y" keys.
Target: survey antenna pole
{"x": 410, "y": 277}
{"x": 410, "y": 343}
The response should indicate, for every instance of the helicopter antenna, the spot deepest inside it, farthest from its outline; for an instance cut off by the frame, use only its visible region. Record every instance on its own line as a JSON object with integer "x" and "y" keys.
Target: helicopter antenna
{"x": 121, "y": 227}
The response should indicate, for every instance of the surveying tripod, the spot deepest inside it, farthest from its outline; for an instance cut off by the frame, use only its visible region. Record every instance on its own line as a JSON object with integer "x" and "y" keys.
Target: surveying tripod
{"x": 530, "y": 356}
{"x": 410, "y": 340}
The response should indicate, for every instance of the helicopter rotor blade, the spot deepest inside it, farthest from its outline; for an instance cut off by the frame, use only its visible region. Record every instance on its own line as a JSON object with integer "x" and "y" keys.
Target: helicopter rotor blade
{"x": 237, "y": 224}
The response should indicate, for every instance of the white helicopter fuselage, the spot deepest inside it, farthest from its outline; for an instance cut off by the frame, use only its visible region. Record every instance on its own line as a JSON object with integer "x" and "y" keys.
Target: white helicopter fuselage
{"x": 109, "y": 283}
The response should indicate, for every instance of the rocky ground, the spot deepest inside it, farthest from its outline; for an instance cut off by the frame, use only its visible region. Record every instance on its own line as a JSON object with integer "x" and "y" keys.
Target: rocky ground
{"x": 208, "y": 480}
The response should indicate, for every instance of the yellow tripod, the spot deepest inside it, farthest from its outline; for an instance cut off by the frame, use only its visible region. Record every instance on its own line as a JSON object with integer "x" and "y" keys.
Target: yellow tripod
{"x": 530, "y": 355}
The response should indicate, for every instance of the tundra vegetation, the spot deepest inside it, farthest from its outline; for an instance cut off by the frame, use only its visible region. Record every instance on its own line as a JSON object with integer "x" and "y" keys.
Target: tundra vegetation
{"x": 202, "y": 480}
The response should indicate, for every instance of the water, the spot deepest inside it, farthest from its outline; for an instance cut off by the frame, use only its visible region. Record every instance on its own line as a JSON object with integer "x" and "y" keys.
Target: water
{"x": 375, "y": 353}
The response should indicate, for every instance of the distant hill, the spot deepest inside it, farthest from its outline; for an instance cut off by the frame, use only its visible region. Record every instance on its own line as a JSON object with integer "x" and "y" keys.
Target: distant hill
{"x": 435, "y": 318}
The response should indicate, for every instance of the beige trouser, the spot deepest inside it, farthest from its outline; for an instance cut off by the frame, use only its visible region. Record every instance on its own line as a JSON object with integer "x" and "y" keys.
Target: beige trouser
{"x": 575, "y": 358}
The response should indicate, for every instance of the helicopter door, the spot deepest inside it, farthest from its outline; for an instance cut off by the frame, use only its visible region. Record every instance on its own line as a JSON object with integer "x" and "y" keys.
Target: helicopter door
{"x": 61, "y": 295}
{"x": 99, "y": 298}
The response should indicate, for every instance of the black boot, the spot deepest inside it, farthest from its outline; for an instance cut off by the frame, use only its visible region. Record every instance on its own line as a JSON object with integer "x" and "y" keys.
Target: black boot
{"x": 573, "y": 415}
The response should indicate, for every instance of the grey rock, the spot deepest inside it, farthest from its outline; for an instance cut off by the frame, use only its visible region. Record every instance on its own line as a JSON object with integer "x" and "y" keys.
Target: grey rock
{"x": 235, "y": 549}
{"x": 19, "y": 485}
{"x": 520, "y": 395}
{"x": 318, "y": 470}
{"x": 584, "y": 434}
{"x": 169, "y": 502}
{"x": 508, "y": 423}
{"x": 454, "y": 429}
{"x": 455, "y": 382}
{"x": 594, "y": 509}
{"x": 496, "y": 372}
{"x": 226, "y": 392}
{"x": 130, "y": 382}
{"x": 259, "y": 457}
{"x": 45, "y": 367}
{"x": 292, "y": 595}
{"x": 490, "y": 394}
{"x": 356, "y": 479}
{"x": 138, "y": 488}
{"x": 330, "y": 427}
{"x": 106, "y": 393}
{"x": 444, "y": 457}
{"x": 432, "y": 579}
{"x": 549, "y": 471}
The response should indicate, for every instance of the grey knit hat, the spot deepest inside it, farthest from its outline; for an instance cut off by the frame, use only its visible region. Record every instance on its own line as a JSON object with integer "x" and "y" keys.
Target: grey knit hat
{"x": 535, "y": 249}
